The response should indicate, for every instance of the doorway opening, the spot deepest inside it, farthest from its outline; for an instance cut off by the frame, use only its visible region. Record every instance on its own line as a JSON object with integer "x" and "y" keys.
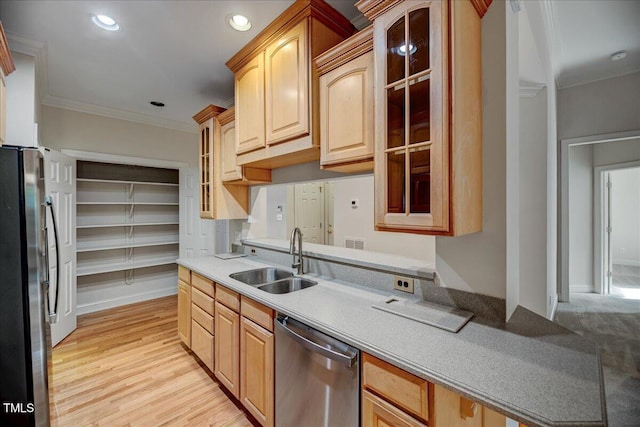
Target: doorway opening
{"x": 617, "y": 220}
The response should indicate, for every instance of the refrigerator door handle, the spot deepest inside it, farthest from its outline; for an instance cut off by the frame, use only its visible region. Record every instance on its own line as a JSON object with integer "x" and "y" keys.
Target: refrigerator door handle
{"x": 53, "y": 315}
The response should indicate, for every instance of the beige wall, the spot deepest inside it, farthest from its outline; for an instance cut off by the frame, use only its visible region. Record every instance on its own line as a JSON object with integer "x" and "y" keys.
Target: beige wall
{"x": 60, "y": 129}
{"x": 605, "y": 106}
{"x": 477, "y": 262}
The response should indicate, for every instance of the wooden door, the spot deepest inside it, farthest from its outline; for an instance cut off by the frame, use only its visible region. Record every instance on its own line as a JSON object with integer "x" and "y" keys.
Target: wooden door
{"x": 346, "y": 112}
{"x": 184, "y": 312}
{"x": 227, "y": 348}
{"x": 379, "y": 413}
{"x": 287, "y": 86}
{"x": 412, "y": 140}
{"x": 309, "y": 211}
{"x": 60, "y": 185}
{"x": 196, "y": 233}
{"x": 250, "y": 108}
{"x": 257, "y": 371}
{"x": 230, "y": 171}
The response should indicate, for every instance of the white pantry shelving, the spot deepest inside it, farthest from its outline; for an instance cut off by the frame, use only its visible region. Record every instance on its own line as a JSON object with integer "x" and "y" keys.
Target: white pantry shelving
{"x": 127, "y": 234}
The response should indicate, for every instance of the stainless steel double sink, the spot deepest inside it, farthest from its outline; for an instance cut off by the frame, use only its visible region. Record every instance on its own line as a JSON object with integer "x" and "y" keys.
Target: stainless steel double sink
{"x": 273, "y": 280}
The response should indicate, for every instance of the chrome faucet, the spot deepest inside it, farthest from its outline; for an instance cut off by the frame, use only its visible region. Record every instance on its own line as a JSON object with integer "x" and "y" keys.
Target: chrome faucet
{"x": 292, "y": 249}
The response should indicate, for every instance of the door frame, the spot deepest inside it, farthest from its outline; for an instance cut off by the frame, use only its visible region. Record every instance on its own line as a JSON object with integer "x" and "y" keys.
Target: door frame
{"x": 563, "y": 211}
{"x": 599, "y": 217}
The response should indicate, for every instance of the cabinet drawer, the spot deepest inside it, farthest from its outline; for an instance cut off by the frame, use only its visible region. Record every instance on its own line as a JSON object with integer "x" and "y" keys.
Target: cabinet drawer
{"x": 205, "y": 285}
{"x": 257, "y": 312}
{"x": 404, "y": 390}
{"x": 203, "y": 301}
{"x": 378, "y": 413}
{"x": 203, "y": 318}
{"x": 202, "y": 344}
{"x": 184, "y": 274}
{"x": 228, "y": 297}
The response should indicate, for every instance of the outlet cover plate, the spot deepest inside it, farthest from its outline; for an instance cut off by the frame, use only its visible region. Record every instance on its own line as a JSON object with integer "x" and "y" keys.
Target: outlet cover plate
{"x": 404, "y": 284}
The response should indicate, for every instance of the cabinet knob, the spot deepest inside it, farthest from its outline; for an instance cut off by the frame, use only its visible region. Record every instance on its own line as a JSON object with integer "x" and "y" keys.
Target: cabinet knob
{"x": 468, "y": 409}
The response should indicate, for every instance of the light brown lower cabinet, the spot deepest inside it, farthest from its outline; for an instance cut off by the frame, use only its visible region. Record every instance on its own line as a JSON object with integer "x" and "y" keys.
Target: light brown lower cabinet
{"x": 227, "y": 348}
{"x": 202, "y": 344}
{"x": 452, "y": 410}
{"x": 257, "y": 371}
{"x": 378, "y": 413}
{"x": 184, "y": 312}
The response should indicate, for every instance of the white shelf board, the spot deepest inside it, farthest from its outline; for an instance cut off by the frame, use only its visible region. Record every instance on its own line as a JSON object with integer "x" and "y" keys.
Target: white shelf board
{"x": 111, "y": 181}
{"x": 131, "y": 245}
{"x": 88, "y": 271}
{"x": 142, "y": 224}
{"x": 130, "y": 203}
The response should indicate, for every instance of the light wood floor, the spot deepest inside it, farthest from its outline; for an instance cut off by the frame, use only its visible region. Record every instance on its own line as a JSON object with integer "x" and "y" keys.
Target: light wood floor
{"x": 127, "y": 367}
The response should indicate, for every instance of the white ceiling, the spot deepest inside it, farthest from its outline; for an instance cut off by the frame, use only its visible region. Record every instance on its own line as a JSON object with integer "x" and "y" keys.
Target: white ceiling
{"x": 175, "y": 51}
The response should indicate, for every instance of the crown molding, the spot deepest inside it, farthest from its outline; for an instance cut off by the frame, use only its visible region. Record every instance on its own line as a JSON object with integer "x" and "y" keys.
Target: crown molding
{"x": 39, "y": 51}
{"x": 530, "y": 89}
{"x": 360, "y": 22}
{"x": 116, "y": 113}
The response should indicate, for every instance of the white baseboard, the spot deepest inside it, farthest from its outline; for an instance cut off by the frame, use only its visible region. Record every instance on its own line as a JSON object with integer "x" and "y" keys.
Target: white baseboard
{"x": 630, "y": 262}
{"x": 554, "y": 309}
{"x": 581, "y": 288}
{"x": 129, "y": 299}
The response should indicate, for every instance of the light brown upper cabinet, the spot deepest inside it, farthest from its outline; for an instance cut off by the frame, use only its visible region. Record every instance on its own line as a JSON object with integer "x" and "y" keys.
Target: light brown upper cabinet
{"x": 276, "y": 88}
{"x": 428, "y": 127}
{"x": 231, "y": 172}
{"x": 6, "y": 67}
{"x": 218, "y": 199}
{"x": 346, "y": 104}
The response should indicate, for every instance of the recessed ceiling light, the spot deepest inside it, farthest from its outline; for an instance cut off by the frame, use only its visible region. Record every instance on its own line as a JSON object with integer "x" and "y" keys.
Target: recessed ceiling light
{"x": 105, "y": 22}
{"x": 239, "y": 22}
{"x": 157, "y": 103}
{"x": 402, "y": 50}
{"x": 619, "y": 55}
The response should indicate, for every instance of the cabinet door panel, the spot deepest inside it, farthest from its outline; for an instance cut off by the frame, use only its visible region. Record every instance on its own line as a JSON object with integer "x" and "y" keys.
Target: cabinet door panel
{"x": 250, "y": 106}
{"x": 184, "y": 312}
{"x": 378, "y": 413}
{"x": 206, "y": 170}
{"x": 227, "y": 346}
{"x": 346, "y": 112}
{"x": 256, "y": 371}
{"x": 202, "y": 344}
{"x": 287, "y": 86}
{"x": 230, "y": 171}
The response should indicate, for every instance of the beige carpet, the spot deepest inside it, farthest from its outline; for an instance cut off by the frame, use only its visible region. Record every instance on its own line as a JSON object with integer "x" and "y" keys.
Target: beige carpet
{"x": 613, "y": 323}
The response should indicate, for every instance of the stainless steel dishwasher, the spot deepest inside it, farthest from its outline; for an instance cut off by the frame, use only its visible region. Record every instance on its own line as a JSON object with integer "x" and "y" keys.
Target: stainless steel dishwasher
{"x": 317, "y": 378}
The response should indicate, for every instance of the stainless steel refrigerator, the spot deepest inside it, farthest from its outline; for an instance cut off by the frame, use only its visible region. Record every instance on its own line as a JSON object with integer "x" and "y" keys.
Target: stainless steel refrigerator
{"x": 25, "y": 309}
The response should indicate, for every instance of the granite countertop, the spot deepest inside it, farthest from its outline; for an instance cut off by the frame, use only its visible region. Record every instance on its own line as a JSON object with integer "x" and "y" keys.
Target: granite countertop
{"x": 530, "y": 369}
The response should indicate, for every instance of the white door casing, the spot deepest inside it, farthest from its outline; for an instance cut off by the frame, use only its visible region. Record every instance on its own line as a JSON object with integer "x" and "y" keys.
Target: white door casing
{"x": 197, "y": 236}
{"x": 60, "y": 185}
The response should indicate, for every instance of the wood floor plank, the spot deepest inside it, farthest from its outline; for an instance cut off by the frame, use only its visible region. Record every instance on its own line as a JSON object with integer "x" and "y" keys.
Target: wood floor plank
{"x": 126, "y": 366}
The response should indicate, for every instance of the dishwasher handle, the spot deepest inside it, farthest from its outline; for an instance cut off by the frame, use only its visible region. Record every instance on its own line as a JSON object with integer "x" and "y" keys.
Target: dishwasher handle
{"x": 344, "y": 358}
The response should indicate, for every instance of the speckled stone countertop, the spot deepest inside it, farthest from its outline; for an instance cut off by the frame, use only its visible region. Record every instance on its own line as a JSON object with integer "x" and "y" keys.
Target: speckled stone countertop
{"x": 529, "y": 368}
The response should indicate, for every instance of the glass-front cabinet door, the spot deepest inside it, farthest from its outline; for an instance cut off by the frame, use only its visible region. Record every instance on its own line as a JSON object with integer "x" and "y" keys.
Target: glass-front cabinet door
{"x": 412, "y": 137}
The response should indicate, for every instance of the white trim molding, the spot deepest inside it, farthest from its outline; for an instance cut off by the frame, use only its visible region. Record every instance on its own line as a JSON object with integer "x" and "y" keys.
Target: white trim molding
{"x": 116, "y": 113}
{"x": 125, "y": 160}
{"x": 129, "y": 299}
{"x": 39, "y": 51}
{"x": 530, "y": 89}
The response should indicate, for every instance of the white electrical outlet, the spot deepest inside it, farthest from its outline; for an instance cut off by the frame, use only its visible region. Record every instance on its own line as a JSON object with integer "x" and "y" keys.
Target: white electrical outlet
{"x": 404, "y": 284}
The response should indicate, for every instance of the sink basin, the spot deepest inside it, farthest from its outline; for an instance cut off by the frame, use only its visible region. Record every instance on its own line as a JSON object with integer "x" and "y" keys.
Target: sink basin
{"x": 261, "y": 276}
{"x": 290, "y": 284}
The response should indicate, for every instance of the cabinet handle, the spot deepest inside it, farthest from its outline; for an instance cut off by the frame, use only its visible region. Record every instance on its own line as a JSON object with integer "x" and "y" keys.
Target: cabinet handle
{"x": 468, "y": 409}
